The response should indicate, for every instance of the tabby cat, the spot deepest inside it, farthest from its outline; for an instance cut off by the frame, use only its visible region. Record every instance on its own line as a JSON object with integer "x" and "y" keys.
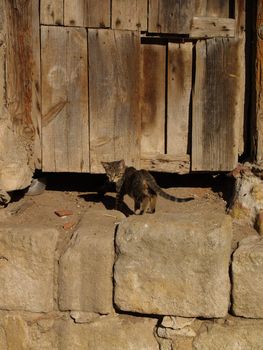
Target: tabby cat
{"x": 138, "y": 184}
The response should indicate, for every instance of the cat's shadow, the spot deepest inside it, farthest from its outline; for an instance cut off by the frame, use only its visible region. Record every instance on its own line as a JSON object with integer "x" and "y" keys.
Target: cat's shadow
{"x": 107, "y": 201}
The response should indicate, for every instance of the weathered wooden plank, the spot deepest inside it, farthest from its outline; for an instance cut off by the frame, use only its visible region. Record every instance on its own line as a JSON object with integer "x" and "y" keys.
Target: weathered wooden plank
{"x": 259, "y": 83}
{"x": 205, "y": 27}
{"x": 153, "y": 71}
{"x": 65, "y": 136}
{"x": 215, "y": 116}
{"x": 240, "y": 16}
{"x": 200, "y": 8}
{"x": 170, "y": 163}
{"x": 179, "y": 86}
{"x": 213, "y": 8}
{"x": 114, "y": 97}
{"x": 51, "y": 12}
{"x": 217, "y": 8}
{"x": 87, "y": 13}
{"x": 21, "y": 73}
{"x": 129, "y": 14}
{"x": 36, "y": 85}
{"x": 167, "y": 16}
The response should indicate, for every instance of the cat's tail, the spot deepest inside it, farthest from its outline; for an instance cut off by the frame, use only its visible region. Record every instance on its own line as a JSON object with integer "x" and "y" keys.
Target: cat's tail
{"x": 153, "y": 185}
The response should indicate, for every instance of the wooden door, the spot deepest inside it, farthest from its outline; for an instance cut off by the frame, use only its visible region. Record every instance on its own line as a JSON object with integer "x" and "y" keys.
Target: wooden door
{"x": 159, "y": 83}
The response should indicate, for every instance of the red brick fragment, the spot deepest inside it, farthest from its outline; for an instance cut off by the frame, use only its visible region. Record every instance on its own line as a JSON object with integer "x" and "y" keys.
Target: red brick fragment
{"x": 63, "y": 212}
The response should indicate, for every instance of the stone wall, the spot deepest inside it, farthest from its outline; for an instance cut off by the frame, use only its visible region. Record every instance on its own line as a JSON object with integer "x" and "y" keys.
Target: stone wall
{"x": 142, "y": 283}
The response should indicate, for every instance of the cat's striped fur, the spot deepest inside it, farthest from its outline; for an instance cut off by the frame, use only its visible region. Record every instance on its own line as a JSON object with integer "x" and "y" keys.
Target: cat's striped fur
{"x": 138, "y": 184}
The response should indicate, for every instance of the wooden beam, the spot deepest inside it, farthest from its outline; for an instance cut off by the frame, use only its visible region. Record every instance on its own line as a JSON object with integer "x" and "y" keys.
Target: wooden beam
{"x": 259, "y": 82}
{"x": 22, "y": 90}
{"x": 209, "y": 27}
{"x": 170, "y": 163}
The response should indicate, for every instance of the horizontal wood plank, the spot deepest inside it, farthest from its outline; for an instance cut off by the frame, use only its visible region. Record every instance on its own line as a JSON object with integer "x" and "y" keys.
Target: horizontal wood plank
{"x": 208, "y": 27}
{"x": 166, "y": 163}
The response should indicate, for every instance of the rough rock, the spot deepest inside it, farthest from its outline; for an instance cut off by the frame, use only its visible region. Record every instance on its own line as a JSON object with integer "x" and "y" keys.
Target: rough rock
{"x": 176, "y": 322}
{"x": 170, "y": 265}
{"x": 110, "y": 333}
{"x": 27, "y": 268}
{"x": 24, "y": 331}
{"x": 15, "y": 171}
{"x": 247, "y": 276}
{"x": 235, "y": 334}
{"x": 85, "y": 274}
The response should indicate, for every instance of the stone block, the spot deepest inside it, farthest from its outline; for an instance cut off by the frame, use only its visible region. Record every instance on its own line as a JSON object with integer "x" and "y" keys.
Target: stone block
{"x": 110, "y": 333}
{"x": 24, "y": 331}
{"x": 235, "y": 334}
{"x": 170, "y": 265}
{"x": 85, "y": 272}
{"x": 247, "y": 273}
{"x": 27, "y": 268}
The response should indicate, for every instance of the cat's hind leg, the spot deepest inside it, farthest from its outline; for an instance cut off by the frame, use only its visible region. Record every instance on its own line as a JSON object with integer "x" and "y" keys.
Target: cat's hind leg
{"x": 144, "y": 205}
{"x": 151, "y": 208}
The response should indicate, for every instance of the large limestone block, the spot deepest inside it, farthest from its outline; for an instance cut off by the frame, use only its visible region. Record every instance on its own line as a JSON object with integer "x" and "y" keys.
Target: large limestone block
{"x": 110, "y": 333}
{"x": 247, "y": 272}
{"x": 174, "y": 265}
{"x": 235, "y": 334}
{"x": 27, "y": 267}
{"x": 85, "y": 273}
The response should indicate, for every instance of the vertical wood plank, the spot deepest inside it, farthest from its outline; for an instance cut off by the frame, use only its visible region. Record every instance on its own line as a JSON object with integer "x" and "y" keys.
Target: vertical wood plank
{"x": 153, "y": 98}
{"x": 240, "y": 16}
{"x": 217, "y": 8}
{"x": 36, "y": 85}
{"x": 51, "y": 12}
{"x": 22, "y": 73}
{"x": 178, "y": 97}
{"x": 87, "y": 13}
{"x": 259, "y": 83}
{"x": 114, "y": 97}
{"x": 65, "y": 134}
{"x": 170, "y": 16}
{"x": 215, "y": 116}
{"x": 212, "y": 8}
{"x": 200, "y": 8}
{"x": 129, "y": 14}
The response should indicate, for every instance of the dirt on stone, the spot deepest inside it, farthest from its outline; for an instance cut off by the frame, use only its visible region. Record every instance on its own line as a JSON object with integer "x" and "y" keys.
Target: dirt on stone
{"x": 67, "y": 198}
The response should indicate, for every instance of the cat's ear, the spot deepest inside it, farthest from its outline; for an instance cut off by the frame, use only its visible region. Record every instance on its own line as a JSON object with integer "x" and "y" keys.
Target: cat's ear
{"x": 105, "y": 165}
{"x": 122, "y": 163}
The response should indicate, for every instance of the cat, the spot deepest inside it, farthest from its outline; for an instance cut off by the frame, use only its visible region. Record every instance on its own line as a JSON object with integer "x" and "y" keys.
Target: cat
{"x": 138, "y": 184}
